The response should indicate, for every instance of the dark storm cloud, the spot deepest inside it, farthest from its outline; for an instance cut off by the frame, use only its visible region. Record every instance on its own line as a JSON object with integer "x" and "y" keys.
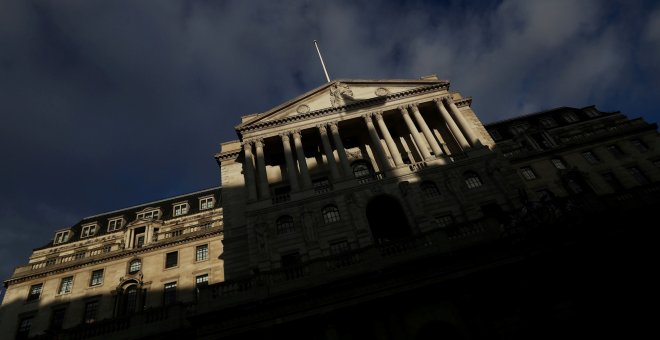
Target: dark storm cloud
{"x": 106, "y": 104}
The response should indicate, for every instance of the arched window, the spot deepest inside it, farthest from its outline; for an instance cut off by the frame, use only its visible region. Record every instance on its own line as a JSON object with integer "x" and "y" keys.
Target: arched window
{"x": 285, "y": 224}
{"x": 134, "y": 266}
{"x": 361, "y": 169}
{"x": 429, "y": 189}
{"x": 472, "y": 180}
{"x": 331, "y": 214}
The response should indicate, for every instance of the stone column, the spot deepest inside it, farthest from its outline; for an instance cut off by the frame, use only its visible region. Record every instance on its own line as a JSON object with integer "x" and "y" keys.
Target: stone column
{"x": 302, "y": 162}
{"x": 290, "y": 165}
{"x": 334, "y": 172}
{"x": 348, "y": 172}
{"x": 378, "y": 146}
{"x": 413, "y": 130}
{"x": 248, "y": 171}
{"x": 264, "y": 189}
{"x": 437, "y": 151}
{"x": 462, "y": 123}
{"x": 452, "y": 125}
{"x": 388, "y": 139}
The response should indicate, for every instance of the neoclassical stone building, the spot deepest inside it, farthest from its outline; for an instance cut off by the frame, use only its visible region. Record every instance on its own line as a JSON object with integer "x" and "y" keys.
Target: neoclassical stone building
{"x": 377, "y": 209}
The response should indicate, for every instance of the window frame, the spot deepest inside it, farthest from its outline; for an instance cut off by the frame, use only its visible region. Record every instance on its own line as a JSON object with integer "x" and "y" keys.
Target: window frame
{"x": 199, "y": 283}
{"x": 154, "y": 214}
{"x": 130, "y": 270}
{"x": 570, "y": 117}
{"x": 169, "y": 293}
{"x": 528, "y": 173}
{"x": 96, "y": 281}
{"x": 615, "y": 151}
{"x": 57, "y": 323}
{"x": 89, "y": 230}
{"x": 32, "y": 296}
{"x": 558, "y": 163}
{"x": 639, "y": 144}
{"x": 429, "y": 189}
{"x": 444, "y": 221}
{"x": 65, "y": 287}
{"x": 94, "y": 311}
{"x": 204, "y": 253}
{"x": 472, "y": 180}
{"x": 62, "y": 237}
{"x": 24, "y": 326}
{"x": 114, "y": 221}
{"x": 590, "y": 157}
{"x": 204, "y": 202}
{"x": 285, "y": 225}
{"x": 183, "y": 209}
{"x": 331, "y": 214}
{"x": 168, "y": 263}
{"x": 548, "y": 122}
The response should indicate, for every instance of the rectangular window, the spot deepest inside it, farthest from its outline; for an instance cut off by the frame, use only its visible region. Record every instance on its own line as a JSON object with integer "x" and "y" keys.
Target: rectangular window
{"x": 171, "y": 259}
{"x": 321, "y": 185}
{"x": 115, "y": 224}
{"x": 612, "y": 181}
{"x": 640, "y": 145}
{"x": 615, "y": 151}
{"x": 88, "y": 230}
{"x": 148, "y": 215}
{"x": 177, "y": 233}
{"x": 91, "y": 311}
{"x": 79, "y": 256}
{"x": 590, "y": 157}
{"x": 206, "y": 203}
{"x": 202, "y": 280}
{"x": 202, "y": 252}
{"x": 638, "y": 175}
{"x": 180, "y": 209}
{"x": 97, "y": 277}
{"x": 107, "y": 249}
{"x": 35, "y": 292}
{"x": 57, "y": 318}
{"x": 527, "y": 173}
{"x": 24, "y": 327}
{"x": 61, "y": 237}
{"x": 558, "y": 163}
{"x": 51, "y": 261}
{"x": 339, "y": 247}
{"x": 548, "y": 122}
{"x": 444, "y": 221}
{"x": 570, "y": 117}
{"x": 169, "y": 293}
{"x": 65, "y": 285}
{"x": 592, "y": 112}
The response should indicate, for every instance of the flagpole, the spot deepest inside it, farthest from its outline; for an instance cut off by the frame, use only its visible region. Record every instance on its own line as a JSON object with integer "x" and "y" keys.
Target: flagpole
{"x": 322, "y": 63}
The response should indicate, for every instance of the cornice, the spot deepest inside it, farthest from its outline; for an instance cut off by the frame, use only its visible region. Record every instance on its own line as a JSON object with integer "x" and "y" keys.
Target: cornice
{"x": 331, "y": 110}
{"x": 227, "y": 155}
{"x": 119, "y": 255}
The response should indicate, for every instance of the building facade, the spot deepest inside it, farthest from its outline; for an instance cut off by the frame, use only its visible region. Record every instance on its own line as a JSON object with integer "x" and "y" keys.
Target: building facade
{"x": 380, "y": 209}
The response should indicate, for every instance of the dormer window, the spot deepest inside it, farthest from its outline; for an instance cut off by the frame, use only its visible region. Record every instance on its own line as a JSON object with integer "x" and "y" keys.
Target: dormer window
{"x": 206, "y": 203}
{"x": 148, "y": 215}
{"x": 570, "y": 117}
{"x": 62, "y": 237}
{"x": 180, "y": 209}
{"x": 88, "y": 230}
{"x": 115, "y": 224}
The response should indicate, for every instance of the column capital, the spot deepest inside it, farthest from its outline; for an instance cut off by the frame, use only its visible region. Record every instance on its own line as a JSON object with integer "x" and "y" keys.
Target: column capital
{"x": 295, "y": 133}
{"x": 247, "y": 143}
{"x": 378, "y": 115}
{"x": 413, "y": 106}
{"x": 333, "y": 126}
{"x": 367, "y": 118}
{"x": 259, "y": 142}
{"x": 285, "y": 136}
{"x": 403, "y": 109}
{"x": 322, "y": 128}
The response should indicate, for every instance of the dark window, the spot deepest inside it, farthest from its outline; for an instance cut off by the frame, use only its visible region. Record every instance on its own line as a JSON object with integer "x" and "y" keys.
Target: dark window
{"x": 548, "y": 122}
{"x": 615, "y": 151}
{"x": 24, "y": 327}
{"x": 638, "y": 175}
{"x": 472, "y": 180}
{"x": 79, "y": 256}
{"x": 321, "y": 185}
{"x": 57, "y": 318}
{"x": 171, "y": 259}
{"x": 558, "y": 163}
{"x": 527, "y": 173}
{"x": 292, "y": 266}
{"x": 97, "y": 278}
{"x": 35, "y": 292}
{"x": 429, "y": 189}
{"x": 66, "y": 284}
{"x": 361, "y": 169}
{"x": 612, "y": 181}
{"x": 495, "y": 134}
{"x": 202, "y": 252}
{"x": 169, "y": 293}
{"x": 570, "y": 117}
{"x": 177, "y": 233}
{"x": 91, "y": 311}
{"x": 107, "y": 249}
{"x": 339, "y": 247}
{"x": 331, "y": 214}
{"x": 640, "y": 145}
{"x": 51, "y": 261}
{"x": 130, "y": 299}
{"x": 444, "y": 221}
{"x": 134, "y": 266}
{"x": 202, "y": 280}
{"x": 590, "y": 157}
{"x": 284, "y": 225}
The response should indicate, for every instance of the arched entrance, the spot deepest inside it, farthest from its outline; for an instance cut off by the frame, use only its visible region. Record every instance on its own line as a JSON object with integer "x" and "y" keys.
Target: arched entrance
{"x": 387, "y": 220}
{"x": 129, "y": 298}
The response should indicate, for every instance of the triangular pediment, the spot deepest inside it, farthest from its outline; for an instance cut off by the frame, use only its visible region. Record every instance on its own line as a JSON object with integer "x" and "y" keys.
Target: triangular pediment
{"x": 337, "y": 94}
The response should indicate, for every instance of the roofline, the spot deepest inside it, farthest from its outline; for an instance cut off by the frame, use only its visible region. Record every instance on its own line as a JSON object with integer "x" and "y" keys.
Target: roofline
{"x": 149, "y": 203}
{"x": 542, "y": 112}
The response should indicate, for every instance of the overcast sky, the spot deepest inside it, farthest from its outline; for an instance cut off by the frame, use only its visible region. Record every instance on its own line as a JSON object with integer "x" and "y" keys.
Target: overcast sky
{"x": 107, "y": 104}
